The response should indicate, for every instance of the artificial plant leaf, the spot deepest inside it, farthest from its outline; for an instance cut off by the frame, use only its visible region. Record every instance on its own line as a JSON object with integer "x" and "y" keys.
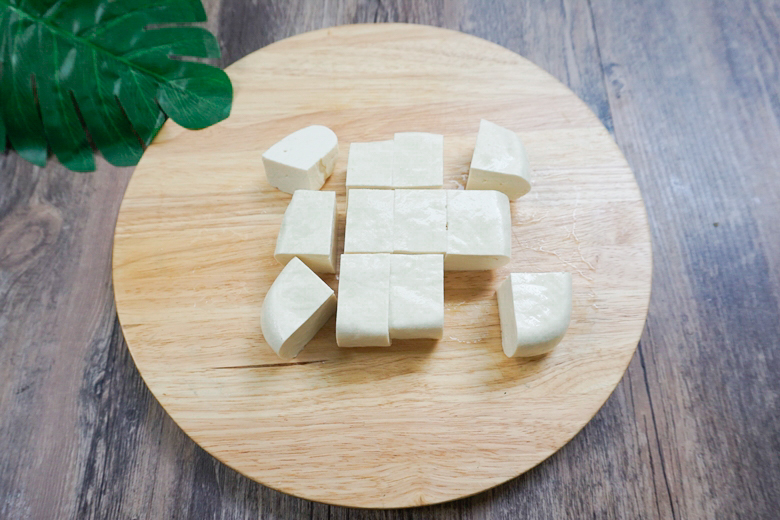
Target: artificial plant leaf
{"x": 67, "y": 65}
{"x": 2, "y": 134}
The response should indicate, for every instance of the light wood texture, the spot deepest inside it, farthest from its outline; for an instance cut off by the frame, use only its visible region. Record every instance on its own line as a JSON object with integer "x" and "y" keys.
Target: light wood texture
{"x": 420, "y": 422}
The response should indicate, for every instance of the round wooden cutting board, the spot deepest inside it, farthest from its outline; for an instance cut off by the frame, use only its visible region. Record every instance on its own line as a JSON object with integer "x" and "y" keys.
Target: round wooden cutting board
{"x": 422, "y": 421}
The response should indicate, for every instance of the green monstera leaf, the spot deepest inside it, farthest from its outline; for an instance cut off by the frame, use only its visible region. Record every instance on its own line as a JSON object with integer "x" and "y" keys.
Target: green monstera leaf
{"x": 105, "y": 73}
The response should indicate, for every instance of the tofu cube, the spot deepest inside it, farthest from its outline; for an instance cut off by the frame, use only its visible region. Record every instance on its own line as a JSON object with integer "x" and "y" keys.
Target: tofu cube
{"x": 419, "y": 160}
{"x": 479, "y": 230}
{"x": 303, "y": 160}
{"x": 535, "y": 311}
{"x": 371, "y": 165}
{"x": 309, "y": 231}
{"x": 416, "y": 296}
{"x": 296, "y": 306}
{"x": 362, "y": 317}
{"x": 369, "y": 226}
{"x": 420, "y": 221}
{"x": 500, "y": 162}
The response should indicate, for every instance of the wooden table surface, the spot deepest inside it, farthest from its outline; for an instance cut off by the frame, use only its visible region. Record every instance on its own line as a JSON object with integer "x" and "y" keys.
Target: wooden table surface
{"x": 691, "y": 92}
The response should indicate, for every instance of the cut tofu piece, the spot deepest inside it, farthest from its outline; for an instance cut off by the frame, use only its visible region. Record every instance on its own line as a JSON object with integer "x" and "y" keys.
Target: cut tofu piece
{"x": 479, "y": 230}
{"x": 297, "y": 306}
{"x": 420, "y": 221}
{"x": 371, "y": 165}
{"x": 309, "y": 231}
{"x": 303, "y": 160}
{"x": 499, "y": 162}
{"x": 416, "y": 296}
{"x": 419, "y": 160}
{"x": 369, "y": 227}
{"x": 362, "y": 318}
{"x": 535, "y": 310}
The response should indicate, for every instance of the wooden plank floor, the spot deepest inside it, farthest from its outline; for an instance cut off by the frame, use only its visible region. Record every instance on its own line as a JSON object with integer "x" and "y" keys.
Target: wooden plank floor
{"x": 691, "y": 91}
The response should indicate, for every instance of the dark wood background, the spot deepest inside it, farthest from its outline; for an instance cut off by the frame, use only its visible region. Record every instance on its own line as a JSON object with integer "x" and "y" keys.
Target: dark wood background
{"x": 691, "y": 91}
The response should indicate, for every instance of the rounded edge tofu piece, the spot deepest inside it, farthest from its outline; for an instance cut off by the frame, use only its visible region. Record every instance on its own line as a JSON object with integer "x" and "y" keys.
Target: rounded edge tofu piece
{"x": 535, "y": 311}
{"x": 479, "y": 230}
{"x": 500, "y": 162}
{"x": 295, "y": 308}
{"x": 308, "y": 231}
{"x": 303, "y": 160}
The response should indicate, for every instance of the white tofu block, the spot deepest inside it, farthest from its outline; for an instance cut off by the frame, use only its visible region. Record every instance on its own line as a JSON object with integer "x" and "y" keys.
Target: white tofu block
{"x": 419, "y": 160}
{"x": 535, "y": 311}
{"x": 416, "y": 296}
{"x": 309, "y": 231}
{"x": 500, "y": 162}
{"x": 479, "y": 230}
{"x": 371, "y": 165}
{"x": 362, "y": 318}
{"x": 297, "y": 306}
{"x": 302, "y": 160}
{"x": 420, "y": 221}
{"x": 369, "y": 227}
